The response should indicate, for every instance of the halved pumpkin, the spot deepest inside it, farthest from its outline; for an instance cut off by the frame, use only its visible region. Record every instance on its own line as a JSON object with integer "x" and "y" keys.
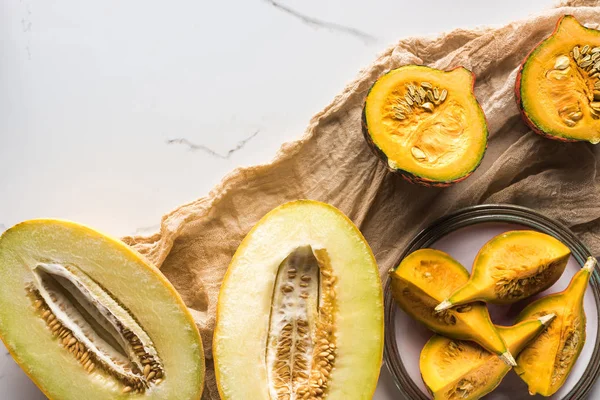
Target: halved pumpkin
{"x": 558, "y": 85}
{"x": 426, "y": 124}
{"x": 87, "y": 318}
{"x": 300, "y": 312}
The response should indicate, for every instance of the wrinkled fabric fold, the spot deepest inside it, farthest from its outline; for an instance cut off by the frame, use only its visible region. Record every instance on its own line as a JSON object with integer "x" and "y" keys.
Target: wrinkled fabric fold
{"x": 331, "y": 162}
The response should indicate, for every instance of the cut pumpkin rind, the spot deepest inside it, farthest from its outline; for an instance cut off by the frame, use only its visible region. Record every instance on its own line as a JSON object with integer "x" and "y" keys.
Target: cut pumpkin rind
{"x": 558, "y": 84}
{"x": 86, "y": 317}
{"x": 300, "y": 310}
{"x": 426, "y": 124}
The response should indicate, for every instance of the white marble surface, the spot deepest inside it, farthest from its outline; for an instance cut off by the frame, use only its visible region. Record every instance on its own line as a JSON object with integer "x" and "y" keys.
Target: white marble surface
{"x": 114, "y": 112}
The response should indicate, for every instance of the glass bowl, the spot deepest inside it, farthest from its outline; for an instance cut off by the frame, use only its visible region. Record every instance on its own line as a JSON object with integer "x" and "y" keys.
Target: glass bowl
{"x": 461, "y": 234}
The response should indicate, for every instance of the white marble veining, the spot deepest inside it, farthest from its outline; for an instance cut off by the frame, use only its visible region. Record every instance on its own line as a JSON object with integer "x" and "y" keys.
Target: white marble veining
{"x": 114, "y": 112}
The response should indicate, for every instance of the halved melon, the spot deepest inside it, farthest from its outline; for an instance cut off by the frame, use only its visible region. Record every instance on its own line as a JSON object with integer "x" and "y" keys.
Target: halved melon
{"x": 87, "y": 318}
{"x": 558, "y": 85}
{"x": 300, "y": 312}
{"x": 426, "y": 124}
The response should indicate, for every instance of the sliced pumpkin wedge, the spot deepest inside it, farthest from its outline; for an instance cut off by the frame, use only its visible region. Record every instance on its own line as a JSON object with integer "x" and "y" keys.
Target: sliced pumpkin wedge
{"x": 87, "y": 318}
{"x": 300, "y": 312}
{"x": 426, "y": 276}
{"x": 511, "y": 267}
{"x": 546, "y": 364}
{"x": 459, "y": 369}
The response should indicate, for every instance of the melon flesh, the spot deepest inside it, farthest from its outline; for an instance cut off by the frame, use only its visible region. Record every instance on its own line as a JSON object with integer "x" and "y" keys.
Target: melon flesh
{"x": 247, "y": 317}
{"x": 42, "y": 250}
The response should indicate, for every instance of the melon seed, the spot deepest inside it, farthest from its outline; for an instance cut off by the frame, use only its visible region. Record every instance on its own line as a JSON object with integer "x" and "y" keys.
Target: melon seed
{"x": 300, "y": 332}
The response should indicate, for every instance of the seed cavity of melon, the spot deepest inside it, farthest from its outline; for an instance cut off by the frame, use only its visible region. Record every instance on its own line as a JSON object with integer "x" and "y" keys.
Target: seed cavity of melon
{"x": 301, "y": 350}
{"x": 94, "y": 327}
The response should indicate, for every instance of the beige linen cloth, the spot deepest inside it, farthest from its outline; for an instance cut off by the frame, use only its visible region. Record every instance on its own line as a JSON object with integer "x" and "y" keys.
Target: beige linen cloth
{"x": 332, "y": 163}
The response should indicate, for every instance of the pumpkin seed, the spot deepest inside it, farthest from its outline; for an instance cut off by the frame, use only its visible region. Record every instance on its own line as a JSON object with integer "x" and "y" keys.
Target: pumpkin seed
{"x": 430, "y": 96}
{"x": 562, "y": 62}
{"x": 427, "y": 106}
{"x": 576, "y": 116}
{"x": 585, "y": 49}
{"x": 443, "y": 95}
{"x": 417, "y": 98}
{"x": 418, "y": 153}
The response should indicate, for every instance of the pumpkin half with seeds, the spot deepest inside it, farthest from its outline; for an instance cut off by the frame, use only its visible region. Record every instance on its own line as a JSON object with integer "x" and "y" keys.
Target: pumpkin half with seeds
{"x": 426, "y": 124}
{"x": 86, "y": 317}
{"x": 300, "y": 311}
{"x": 558, "y": 85}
